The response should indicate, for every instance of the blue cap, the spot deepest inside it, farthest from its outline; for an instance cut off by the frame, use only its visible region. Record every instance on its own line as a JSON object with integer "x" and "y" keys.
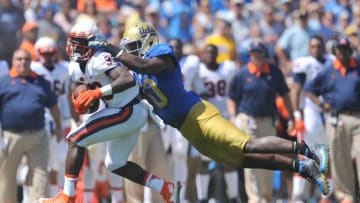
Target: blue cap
{"x": 342, "y": 42}
{"x": 257, "y": 46}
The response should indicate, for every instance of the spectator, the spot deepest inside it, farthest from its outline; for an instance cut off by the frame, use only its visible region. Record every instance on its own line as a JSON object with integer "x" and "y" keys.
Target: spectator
{"x": 11, "y": 21}
{"x": 65, "y": 18}
{"x": 47, "y": 27}
{"x": 202, "y": 22}
{"x": 23, "y": 127}
{"x": 251, "y": 103}
{"x": 338, "y": 84}
{"x": 293, "y": 43}
{"x": 102, "y": 6}
{"x": 104, "y": 25}
{"x": 240, "y": 24}
{"x": 270, "y": 28}
{"x": 30, "y": 34}
{"x": 177, "y": 16}
{"x": 152, "y": 17}
{"x": 222, "y": 38}
{"x": 88, "y": 15}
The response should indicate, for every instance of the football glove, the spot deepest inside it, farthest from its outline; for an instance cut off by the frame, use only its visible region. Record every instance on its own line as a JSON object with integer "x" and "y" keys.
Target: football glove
{"x": 98, "y": 42}
{"x": 87, "y": 97}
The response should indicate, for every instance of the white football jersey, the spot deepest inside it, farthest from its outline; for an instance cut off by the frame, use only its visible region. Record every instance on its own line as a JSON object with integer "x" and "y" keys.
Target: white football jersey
{"x": 190, "y": 70}
{"x": 59, "y": 81}
{"x": 310, "y": 67}
{"x": 95, "y": 74}
{"x": 217, "y": 83}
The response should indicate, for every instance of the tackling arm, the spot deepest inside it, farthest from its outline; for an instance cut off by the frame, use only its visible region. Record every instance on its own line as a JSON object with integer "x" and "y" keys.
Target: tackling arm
{"x": 147, "y": 66}
{"x": 136, "y": 63}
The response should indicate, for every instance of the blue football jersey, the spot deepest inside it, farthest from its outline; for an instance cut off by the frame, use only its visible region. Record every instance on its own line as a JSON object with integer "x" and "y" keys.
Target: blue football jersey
{"x": 165, "y": 90}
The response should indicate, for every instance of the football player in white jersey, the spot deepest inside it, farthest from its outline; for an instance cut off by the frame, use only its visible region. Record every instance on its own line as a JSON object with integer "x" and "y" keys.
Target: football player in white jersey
{"x": 56, "y": 72}
{"x": 118, "y": 124}
{"x": 308, "y": 116}
{"x": 217, "y": 78}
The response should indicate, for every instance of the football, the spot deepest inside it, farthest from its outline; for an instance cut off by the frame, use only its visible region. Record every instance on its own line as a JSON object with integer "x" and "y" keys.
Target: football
{"x": 94, "y": 106}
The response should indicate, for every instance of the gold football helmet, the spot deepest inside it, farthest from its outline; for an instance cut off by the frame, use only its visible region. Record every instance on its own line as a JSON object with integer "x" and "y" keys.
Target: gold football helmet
{"x": 139, "y": 38}
{"x": 77, "y": 42}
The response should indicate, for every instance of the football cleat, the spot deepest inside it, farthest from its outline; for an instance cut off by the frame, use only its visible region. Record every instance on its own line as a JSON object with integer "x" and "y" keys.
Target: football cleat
{"x": 59, "y": 198}
{"x": 171, "y": 192}
{"x": 309, "y": 169}
{"x": 320, "y": 153}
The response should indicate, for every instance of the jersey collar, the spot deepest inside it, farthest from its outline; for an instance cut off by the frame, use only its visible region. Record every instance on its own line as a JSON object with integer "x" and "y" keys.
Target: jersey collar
{"x": 339, "y": 66}
{"x": 14, "y": 73}
{"x": 254, "y": 70}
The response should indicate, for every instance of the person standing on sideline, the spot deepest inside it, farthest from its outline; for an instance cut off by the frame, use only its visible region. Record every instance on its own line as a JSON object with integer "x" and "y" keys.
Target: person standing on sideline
{"x": 201, "y": 123}
{"x": 217, "y": 78}
{"x": 251, "y": 102}
{"x": 309, "y": 120}
{"x": 339, "y": 85}
{"x": 56, "y": 72}
{"x": 24, "y": 96}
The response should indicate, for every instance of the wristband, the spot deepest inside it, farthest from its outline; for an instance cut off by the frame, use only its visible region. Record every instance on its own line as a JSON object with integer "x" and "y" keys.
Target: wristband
{"x": 106, "y": 90}
{"x": 297, "y": 114}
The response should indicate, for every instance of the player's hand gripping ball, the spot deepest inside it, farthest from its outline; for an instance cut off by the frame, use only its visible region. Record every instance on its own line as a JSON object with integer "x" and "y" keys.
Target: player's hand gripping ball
{"x": 79, "y": 105}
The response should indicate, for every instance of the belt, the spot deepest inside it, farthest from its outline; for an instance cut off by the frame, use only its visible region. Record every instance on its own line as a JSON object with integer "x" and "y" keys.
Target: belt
{"x": 352, "y": 113}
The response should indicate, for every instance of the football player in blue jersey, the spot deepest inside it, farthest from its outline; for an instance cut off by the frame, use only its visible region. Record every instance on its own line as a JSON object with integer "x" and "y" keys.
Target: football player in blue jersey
{"x": 158, "y": 72}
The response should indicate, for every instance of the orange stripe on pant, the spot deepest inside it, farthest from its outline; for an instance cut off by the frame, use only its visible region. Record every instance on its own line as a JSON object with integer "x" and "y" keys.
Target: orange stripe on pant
{"x": 93, "y": 127}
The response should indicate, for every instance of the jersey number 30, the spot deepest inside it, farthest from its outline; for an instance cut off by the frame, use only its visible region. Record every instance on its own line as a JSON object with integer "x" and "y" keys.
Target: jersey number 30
{"x": 153, "y": 94}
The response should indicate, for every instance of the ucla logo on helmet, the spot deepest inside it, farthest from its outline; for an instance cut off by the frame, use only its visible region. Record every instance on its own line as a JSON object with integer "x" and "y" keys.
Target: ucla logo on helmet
{"x": 147, "y": 30}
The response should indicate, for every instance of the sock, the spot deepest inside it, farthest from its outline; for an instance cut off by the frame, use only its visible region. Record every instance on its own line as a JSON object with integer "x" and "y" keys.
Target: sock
{"x": 54, "y": 189}
{"x": 154, "y": 182}
{"x": 302, "y": 148}
{"x": 69, "y": 185}
{"x": 202, "y": 184}
{"x": 295, "y": 166}
{"x": 232, "y": 186}
{"x": 116, "y": 195}
{"x": 25, "y": 193}
{"x": 88, "y": 195}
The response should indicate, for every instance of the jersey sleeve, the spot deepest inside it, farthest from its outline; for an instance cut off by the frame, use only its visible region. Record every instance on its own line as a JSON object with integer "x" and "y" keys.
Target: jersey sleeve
{"x": 101, "y": 62}
{"x": 160, "y": 50}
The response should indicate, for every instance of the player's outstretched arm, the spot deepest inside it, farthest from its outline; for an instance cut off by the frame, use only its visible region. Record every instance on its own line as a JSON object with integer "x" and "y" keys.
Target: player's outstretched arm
{"x": 133, "y": 62}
